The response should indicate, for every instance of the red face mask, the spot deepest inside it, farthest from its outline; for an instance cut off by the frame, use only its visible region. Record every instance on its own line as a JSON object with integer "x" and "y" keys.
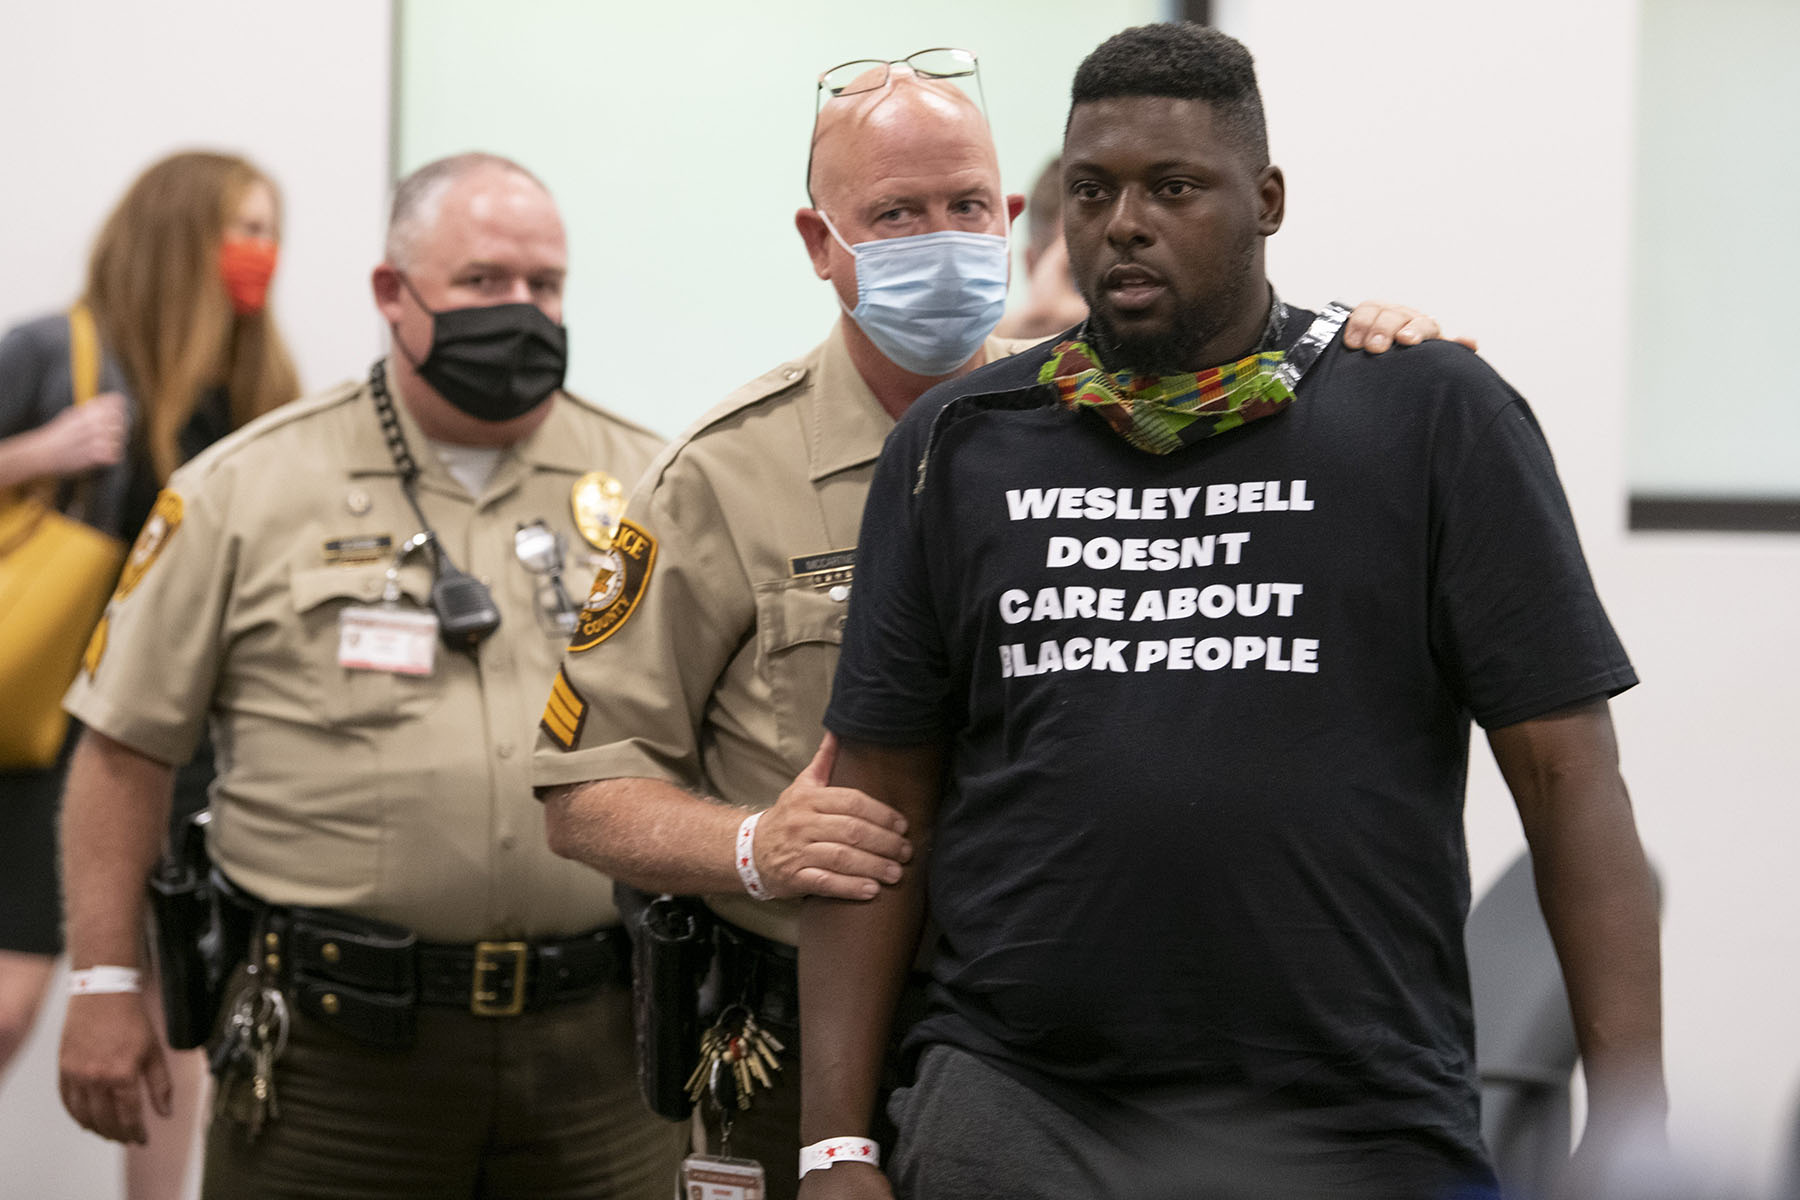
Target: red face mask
{"x": 246, "y": 265}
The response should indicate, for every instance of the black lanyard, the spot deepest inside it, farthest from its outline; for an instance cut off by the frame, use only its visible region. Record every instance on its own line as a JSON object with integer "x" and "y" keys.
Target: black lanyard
{"x": 464, "y": 606}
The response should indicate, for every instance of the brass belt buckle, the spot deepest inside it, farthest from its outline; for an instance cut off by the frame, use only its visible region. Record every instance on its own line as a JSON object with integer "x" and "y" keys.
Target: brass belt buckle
{"x": 484, "y": 997}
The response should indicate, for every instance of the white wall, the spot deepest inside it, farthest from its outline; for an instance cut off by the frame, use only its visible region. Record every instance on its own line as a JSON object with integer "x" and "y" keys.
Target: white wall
{"x": 674, "y": 137}
{"x": 94, "y": 90}
{"x": 1476, "y": 160}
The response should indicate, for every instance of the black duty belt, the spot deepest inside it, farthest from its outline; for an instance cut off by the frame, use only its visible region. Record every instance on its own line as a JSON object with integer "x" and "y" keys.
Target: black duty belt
{"x": 365, "y": 977}
{"x": 762, "y": 975}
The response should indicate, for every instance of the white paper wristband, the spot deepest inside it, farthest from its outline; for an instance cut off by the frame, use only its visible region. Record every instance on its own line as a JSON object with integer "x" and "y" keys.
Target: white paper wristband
{"x": 100, "y": 981}
{"x": 832, "y": 1151}
{"x": 746, "y": 858}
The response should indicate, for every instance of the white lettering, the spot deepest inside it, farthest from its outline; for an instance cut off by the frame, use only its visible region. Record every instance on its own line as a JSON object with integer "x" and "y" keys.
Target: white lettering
{"x": 1030, "y": 502}
{"x": 1216, "y": 601}
{"x": 1149, "y": 607}
{"x": 1183, "y": 500}
{"x": 1112, "y": 605}
{"x": 1064, "y": 552}
{"x": 1151, "y": 653}
{"x": 1252, "y": 599}
{"x": 1306, "y": 655}
{"x": 1245, "y": 650}
{"x": 1181, "y": 654}
{"x": 1297, "y": 500}
{"x": 1284, "y": 597}
{"x": 1213, "y": 653}
{"x": 1047, "y": 608}
{"x": 1099, "y": 503}
{"x": 1068, "y": 503}
{"x": 1152, "y": 506}
{"x": 1101, "y": 553}
{"x": 1012, "y": 605}
{"x": 1077, "y": 653}
{"x": 1109, "y": 655}
{"x": 1234, "y": 547}
{"x": 1221, "y": 498}
{"x": 1250, "y": 497}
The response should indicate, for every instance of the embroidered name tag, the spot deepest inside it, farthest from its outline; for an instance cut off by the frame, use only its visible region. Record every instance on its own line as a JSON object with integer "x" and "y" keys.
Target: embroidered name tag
{"x": 359, "y": 548}
{"x": 824, "y": 570}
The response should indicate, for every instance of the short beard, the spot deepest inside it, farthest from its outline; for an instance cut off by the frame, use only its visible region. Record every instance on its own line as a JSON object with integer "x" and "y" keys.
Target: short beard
{"x": 1176, "y": 351}
{"x": 1183, "y": 347}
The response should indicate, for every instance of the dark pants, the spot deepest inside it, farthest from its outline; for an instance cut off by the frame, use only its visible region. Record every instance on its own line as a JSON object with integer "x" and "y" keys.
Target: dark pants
{"x": 542, "y": 1106}
{"x": 967, "y": 1129}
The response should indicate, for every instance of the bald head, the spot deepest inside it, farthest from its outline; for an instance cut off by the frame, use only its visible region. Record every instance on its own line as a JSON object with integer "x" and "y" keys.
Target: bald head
{"x": 911, "y": 128}
{"x": 420, "y": 197}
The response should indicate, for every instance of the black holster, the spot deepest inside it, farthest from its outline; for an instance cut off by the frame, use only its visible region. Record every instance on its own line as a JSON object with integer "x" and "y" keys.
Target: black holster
{"x": 671, "y": 953}
{"x": 194, "y": 952}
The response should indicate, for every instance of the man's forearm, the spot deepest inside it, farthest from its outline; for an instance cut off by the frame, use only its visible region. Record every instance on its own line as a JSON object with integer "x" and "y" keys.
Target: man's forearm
{"x": 854, "y": 957}
{"x": 1598, "y": 898}
{"x": 114, "y": 817}
{"x": 647, "y": 833}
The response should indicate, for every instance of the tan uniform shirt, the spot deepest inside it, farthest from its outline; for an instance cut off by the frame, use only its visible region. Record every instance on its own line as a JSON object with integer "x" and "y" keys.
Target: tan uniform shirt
{"x": 717, "y": 677}
{"x": 402, "y": 798}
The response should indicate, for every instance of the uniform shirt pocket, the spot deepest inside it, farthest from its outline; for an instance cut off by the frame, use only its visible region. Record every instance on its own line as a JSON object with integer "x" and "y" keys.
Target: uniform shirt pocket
{"x": 338, "y": 695}
{"x": 799, "y": 631}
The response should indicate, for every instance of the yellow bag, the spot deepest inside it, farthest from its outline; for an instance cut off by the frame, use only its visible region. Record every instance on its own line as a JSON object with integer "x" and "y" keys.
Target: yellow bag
{"x": 55, "y": 576}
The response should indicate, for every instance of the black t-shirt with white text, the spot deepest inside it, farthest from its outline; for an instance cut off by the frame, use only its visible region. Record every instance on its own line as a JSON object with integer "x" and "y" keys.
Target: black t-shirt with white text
{"x": 1208, "y": 717}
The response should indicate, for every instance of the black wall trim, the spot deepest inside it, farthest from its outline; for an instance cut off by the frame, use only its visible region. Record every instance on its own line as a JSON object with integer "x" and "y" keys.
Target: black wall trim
{"x": 1743, "y": 515}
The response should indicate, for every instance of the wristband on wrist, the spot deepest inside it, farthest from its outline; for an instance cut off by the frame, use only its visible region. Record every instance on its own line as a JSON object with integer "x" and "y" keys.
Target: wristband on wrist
{"x": 746, "y": 858}
{"x": 832, "y": 1151}
{"x": 101, "y": 981}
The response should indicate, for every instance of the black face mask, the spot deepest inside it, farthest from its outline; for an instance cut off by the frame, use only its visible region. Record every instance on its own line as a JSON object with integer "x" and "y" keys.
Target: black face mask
{"x": 494, "y": 362}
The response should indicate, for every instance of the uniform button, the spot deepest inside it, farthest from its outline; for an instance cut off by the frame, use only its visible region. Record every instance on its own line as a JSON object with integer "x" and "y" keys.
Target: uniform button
{"x": 329, "y": 1002}
{"x": 839, "y": 592}
{"x": 793, "y": 373}
{"x": 330, "y": 952}
{"x": 504, "y": 749}
{"x": 508, "y": 841}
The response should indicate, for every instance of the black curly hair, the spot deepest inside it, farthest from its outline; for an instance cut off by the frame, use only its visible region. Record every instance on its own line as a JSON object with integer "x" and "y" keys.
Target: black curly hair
{"x": 1188, "y": 62}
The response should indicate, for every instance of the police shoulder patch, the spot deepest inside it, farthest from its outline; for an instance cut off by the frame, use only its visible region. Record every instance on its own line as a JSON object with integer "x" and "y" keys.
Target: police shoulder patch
{"x": 565, "y": 713}
{"x": 618, "y": 586}
{"x": 164, "y": 519}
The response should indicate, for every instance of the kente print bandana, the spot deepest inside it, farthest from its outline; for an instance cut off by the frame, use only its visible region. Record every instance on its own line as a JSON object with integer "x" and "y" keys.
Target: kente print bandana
{"x": 1162, "y": 413}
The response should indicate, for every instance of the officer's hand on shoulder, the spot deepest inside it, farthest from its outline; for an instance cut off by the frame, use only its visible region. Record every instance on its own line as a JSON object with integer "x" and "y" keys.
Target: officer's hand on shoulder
{"x": 819, "y": 840}
{"x": 1375, "y": 325}
{"x": 110, "y": 1049}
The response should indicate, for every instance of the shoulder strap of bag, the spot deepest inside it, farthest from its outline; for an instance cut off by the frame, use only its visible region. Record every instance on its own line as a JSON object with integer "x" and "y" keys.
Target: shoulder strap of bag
{"x": 84, "y": 354}
{"x": 84, "y": 384}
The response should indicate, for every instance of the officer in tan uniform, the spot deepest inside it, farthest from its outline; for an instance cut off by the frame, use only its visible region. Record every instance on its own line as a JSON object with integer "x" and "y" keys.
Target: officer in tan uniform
{"x": 433, "y": 1004}
{"x": 692, "y": 694}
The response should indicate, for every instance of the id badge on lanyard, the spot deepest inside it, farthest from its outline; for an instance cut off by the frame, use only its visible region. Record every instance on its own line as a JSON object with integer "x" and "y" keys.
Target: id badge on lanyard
{"x": 707, "y": 1177}
{"x": 388, "y": 637}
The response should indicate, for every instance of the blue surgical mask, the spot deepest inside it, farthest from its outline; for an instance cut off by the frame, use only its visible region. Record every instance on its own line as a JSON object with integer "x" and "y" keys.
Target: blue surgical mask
{"x": 928, "y": 300}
